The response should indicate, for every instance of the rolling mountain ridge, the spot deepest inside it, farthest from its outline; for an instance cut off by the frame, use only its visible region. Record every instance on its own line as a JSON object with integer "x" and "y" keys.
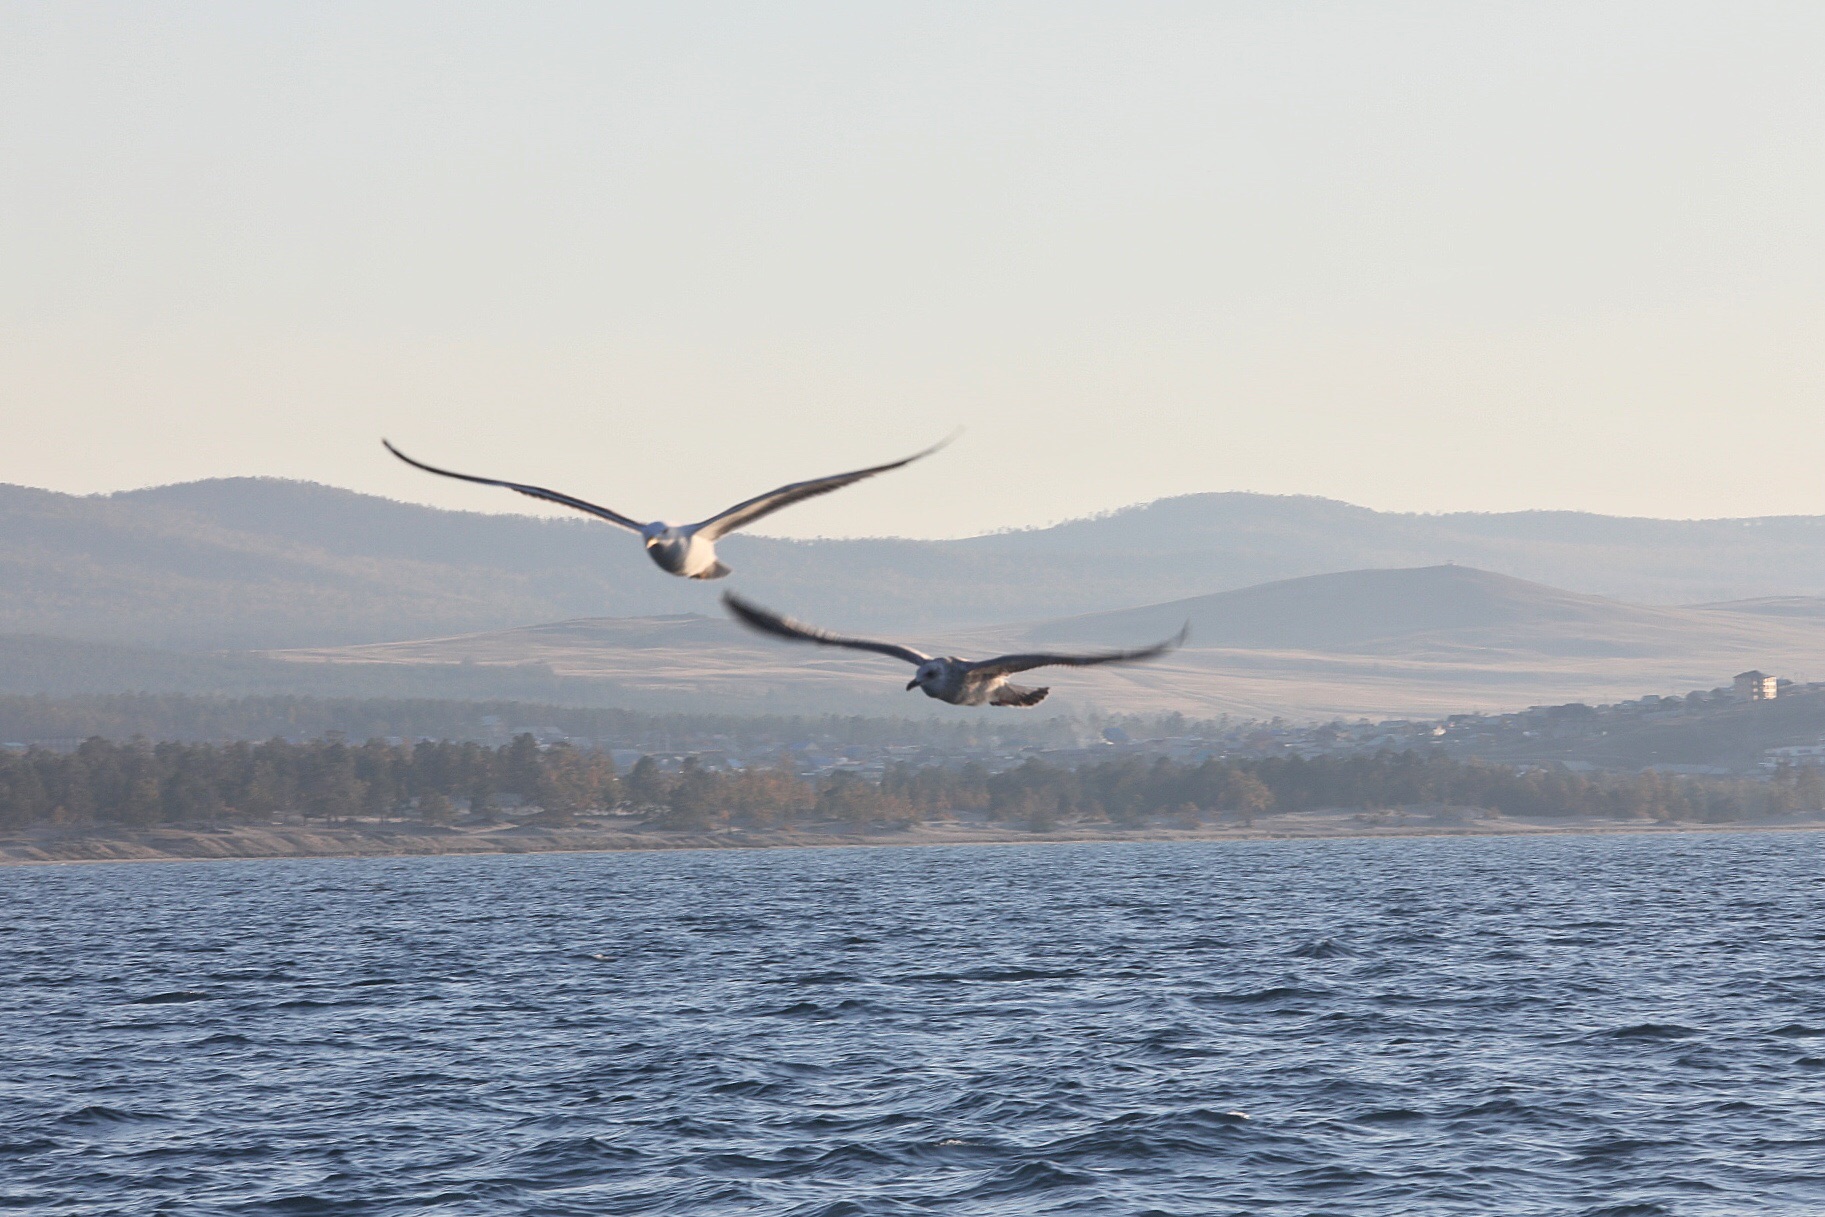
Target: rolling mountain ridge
{"x": 261, "y": 563}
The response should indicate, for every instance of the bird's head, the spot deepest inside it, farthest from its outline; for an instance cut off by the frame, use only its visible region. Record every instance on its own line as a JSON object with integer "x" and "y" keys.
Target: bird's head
{"x": 927, "y": 673}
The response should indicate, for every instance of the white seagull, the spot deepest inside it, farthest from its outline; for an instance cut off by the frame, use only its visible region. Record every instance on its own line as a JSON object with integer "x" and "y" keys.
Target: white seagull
{"x": 960, "y": 682}
{"x": 687, "y": 549}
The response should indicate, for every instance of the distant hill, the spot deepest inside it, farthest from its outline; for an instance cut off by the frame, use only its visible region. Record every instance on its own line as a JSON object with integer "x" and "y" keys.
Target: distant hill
{"x": 262, "y": 563}
{"x": 1351, "y": 610}
{"x": 151, "y": 570}
{"x": 1418, "y": 642}
{"x": 62, "y": 666}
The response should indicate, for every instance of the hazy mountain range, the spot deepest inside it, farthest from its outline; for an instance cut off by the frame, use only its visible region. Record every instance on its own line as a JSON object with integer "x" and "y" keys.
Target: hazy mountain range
{"x": 262, "y": 563}
{"x": 1298, "y": 606}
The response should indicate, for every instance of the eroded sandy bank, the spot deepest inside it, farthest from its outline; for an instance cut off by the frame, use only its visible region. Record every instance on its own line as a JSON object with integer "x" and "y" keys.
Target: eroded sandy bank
{"x": 371, "y": 840}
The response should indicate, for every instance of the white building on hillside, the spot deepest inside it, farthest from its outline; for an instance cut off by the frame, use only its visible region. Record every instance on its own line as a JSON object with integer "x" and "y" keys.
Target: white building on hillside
{"x": 1755, "y": 686}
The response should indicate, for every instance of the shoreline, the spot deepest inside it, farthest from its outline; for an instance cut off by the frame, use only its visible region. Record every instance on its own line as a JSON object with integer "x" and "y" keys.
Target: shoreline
{"x": 245, "y": 843}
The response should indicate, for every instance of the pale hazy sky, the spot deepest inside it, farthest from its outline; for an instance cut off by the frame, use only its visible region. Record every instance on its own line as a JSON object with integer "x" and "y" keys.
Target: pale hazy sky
{"x": 1416, "y": 256}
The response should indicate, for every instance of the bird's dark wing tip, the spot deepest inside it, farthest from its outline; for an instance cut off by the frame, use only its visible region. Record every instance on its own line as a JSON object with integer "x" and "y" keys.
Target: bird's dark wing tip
{"x": 751, "y": 613}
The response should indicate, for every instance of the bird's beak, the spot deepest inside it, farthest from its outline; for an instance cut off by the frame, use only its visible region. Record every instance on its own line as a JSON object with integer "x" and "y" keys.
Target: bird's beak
{"x": 912, "y": 684}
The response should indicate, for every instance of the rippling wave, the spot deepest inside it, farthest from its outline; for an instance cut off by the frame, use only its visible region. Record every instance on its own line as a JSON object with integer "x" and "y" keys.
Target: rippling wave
{"x": 1487, "y": 1026}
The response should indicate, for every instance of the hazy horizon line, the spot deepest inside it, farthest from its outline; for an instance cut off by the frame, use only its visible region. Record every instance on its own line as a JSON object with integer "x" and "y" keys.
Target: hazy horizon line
{"x": 993, "y": 531}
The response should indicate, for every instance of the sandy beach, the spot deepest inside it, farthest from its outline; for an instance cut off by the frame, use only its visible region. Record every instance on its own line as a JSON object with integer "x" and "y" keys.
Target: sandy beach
{"x": 358, "y": 839}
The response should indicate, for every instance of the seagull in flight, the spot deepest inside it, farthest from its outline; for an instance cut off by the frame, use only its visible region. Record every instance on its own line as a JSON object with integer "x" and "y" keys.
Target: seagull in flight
{"x": 687, "y": 549}
{"x": 960, "y": 682}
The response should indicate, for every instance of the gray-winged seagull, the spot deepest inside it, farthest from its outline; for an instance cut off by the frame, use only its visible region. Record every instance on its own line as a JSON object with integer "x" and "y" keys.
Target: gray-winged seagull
{"x": 687, "y": 549}
{"x": 960, "y": 682}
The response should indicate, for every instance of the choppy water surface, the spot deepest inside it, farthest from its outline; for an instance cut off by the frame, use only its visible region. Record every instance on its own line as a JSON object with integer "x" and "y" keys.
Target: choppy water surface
{"x": 1597, "y": 1025}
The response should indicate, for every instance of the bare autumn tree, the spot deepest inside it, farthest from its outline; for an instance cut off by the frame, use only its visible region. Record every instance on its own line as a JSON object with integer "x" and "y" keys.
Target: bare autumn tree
{"x": 762, "y": 798}
{"x": 434, "y": 808}
{"x": 1246, "y": 796}
{"x": 570, "y": 780}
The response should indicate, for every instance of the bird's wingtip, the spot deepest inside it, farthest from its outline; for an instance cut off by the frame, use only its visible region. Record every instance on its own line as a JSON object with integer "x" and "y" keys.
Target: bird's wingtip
{"x": 925, "y": 452}
{"x": 946, "y": 442}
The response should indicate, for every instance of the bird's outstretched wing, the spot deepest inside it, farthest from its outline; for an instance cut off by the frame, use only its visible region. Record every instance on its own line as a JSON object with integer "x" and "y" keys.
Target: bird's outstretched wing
{"x": 1008, "y": 664}
{"x": 768, "y": 622}
{"x": 537, "y": 492}
{"x": 742, "y": 514}
{"x": 1015, "y": 695}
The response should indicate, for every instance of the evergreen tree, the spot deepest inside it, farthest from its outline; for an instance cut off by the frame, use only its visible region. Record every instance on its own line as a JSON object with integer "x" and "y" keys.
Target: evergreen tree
{"x": 646, "y": 785}
{"x": 521, "y": 770}
{"x": 694, "y": 801}
{"x": 329, "y": 789}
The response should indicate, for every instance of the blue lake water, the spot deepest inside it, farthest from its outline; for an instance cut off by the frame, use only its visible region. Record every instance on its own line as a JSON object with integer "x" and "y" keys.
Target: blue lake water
{"x": 1610, "y": 1025}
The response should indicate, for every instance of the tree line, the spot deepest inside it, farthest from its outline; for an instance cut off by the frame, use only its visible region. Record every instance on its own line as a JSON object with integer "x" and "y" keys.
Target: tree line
{"x": 140, "y": 784}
